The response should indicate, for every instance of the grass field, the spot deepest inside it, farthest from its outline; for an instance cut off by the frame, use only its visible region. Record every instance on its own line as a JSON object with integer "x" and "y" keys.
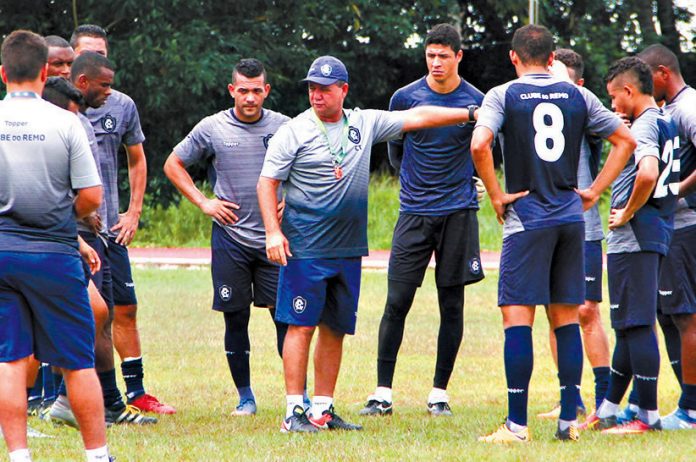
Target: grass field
{"x": 186, "y": 366}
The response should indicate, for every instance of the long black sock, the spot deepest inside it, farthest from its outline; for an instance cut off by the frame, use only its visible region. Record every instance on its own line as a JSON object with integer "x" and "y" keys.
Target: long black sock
{"x": 645, "y": 362}
{"x": 450, "y": 336}
{"x": 391, "y": 329}
{"x": 110, "y": 391}
{"x": 237, "y": 346}
{"x": 621, "y": 371}
{"x": 569, "y": 368}
{"x": 281, "y": 329}
{"x": 672, "y": 344}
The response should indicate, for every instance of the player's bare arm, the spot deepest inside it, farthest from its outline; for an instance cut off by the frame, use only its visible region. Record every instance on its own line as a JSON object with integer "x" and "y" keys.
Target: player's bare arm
{"x": 89, "y": 255}
{"x": 688, "y": 185}
{"x": 277, "y": 246}
{"x": 87, "y": 200}
{"x": 220, "y": 210}
{"x": 646, "y": 179}
{"x": 623, "y": 145}
{"x": 127, "y": 224}
{"x": 482, "y": 155}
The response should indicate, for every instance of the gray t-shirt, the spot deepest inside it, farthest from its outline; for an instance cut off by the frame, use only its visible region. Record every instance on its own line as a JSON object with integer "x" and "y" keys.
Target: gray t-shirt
{"x": 44, "y": 157}
{"x": 115, "y": 123}
{"x": 94, "y": 148}
{"x": 234, "y": 151}
{"x": 326, "y": 217}
{"x": 683, "y": 111}
{"x": 593, "y": 222}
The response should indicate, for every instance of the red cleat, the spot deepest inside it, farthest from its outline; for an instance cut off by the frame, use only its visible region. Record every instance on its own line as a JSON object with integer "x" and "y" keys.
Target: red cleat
{"x": 635, "y": 427}
{"x": 148, "y": 403}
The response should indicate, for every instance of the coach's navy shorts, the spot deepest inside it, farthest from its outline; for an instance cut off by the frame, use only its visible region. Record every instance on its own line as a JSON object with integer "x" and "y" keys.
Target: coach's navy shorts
{"x": 102, "y": 278}
{"x": 44, "y": 309}
{"x": 454, "y": 239}
{"x": 677, "y": 284}
{"x": 593, "y": 271}
{"x": 543, "y": 266}
{"x": 316, "y": 290}
{"x": 121, "y": 276}
{"x": 633, "y": 288}
{"x": 241, "y": 274}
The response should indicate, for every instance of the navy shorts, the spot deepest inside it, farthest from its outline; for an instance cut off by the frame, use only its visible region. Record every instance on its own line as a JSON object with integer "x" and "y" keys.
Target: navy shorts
{"x": 633, "y": 288}
{"x": 454, "y": 239}
{"x": 320, "y": 290}
{"x": 241, "y": 274}
{"x": 102, "y": 278}
{"x": 121, "y": 276}
{"x": 543, "y": 266}
{"x": 44, "y": 310}
{"x": 677, "y": 283}
{"x": 593, "y": 271}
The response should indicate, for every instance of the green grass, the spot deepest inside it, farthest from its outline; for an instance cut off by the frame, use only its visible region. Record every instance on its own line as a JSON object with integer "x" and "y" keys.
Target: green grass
{"x": 185, "y": 366}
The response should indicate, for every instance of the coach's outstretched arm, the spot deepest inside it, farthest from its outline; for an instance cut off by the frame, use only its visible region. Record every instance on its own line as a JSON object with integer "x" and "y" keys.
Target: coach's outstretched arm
{"x": 623, "y": 145}
{"x": 277, "y": 245}
{"x": 482, "y": 155}
{"x": 422, "y": 117}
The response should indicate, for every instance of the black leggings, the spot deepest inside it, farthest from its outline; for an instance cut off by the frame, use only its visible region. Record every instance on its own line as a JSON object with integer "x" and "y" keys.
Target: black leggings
{"x": 391, "y": 330}
{"x": 237, "y": 346}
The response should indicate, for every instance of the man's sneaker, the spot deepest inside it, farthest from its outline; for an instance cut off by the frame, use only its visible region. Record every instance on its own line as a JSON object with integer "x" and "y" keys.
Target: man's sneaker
{"x": 555, "y": 413}
{"x": 148, "y": 403}
{"x": 634, "y": 427}
{"x": 329, "y": 420}
{"x": 569, "y": 434}
{"x": 626, "y": 415}
{"x": 439, "y": 409}
{"x": 33, "y": 407}
{"x": 60, "y": 413}
{"x": 375, "y": 406}
{"x": 504, "y": 435}
{"x": 298, "y": 422}
{"x": 678, "y": 420}
{"x": 127, "y": 415}
{"x": 246, "y": 407}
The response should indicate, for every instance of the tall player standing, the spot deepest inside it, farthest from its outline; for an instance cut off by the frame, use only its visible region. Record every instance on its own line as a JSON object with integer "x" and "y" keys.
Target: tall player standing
{"x": 437, "y": 214}
{"x": 542, "y": 121}
{"x": 115, "y": 123}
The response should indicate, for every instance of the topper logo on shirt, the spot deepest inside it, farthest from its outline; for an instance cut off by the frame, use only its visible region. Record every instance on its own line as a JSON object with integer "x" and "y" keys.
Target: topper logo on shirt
{"x": 108, "y": 123}
{"x": 230, "y": 144}
{"x": 267, "y": 139}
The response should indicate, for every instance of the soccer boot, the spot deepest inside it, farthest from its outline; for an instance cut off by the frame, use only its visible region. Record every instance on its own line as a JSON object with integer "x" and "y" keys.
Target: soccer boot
{"x": 246, "y": 407}
{"x": 626, "y": 415}
{"x": 376, "y": 406}
{"x": 31, "y": 433}
{"x": 569, "y": 434}
{"x": 329, "y": 420}
{"x": 555, "y": 413}
{"x": 439, "y": 409}
{"x": 634, "y": 427}
{"x": 60, "y": 413}
{"x": 148, "y": 403}
{"x": 504, "y": 435}
{"x": 678, "y": 420}
{"x": 33, "y": 407}
{"x": 298, "y": 422}
{"x": 117, "y": 415}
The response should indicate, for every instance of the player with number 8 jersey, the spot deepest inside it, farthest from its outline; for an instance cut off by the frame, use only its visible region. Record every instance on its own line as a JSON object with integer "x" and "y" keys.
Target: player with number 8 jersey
{"x": 541, "y": 121}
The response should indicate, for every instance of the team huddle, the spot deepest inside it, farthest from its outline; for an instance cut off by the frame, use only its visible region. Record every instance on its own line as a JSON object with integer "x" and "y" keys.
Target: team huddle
{"x": 289, "y": 221}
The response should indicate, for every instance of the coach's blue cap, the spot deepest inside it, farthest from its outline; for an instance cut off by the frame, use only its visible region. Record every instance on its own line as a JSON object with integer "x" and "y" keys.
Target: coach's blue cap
{"x": 326, "y": 70}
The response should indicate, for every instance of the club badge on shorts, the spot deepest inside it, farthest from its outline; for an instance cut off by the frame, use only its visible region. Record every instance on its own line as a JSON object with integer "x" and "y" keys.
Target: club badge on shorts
{"x": 299, "y": 304}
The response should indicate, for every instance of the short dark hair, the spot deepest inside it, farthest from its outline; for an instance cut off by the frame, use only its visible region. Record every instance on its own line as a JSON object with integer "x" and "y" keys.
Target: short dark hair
{"x": 90, "y": 64}
{"x": 636, "y": 67}
{"x": 533, "y": 44}
{"x": 61, "y": 92}
{"x": 572, "y": 60}
{"x": 249, "y": 67}
{"x": 88, "y": 30}
{"x": 56, "y": 41}
{"x": 24, "y": 54}
{"x": 660, "y": 55}
{"x": 444, "y": 34}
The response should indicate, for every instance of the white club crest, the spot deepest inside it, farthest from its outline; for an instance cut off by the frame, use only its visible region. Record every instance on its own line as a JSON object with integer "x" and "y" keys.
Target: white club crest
{"x": 326, "y": 70}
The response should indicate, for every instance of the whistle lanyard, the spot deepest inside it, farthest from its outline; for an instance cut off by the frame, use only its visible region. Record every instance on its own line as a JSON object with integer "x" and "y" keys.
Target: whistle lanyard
{"x": 336, "y": 157}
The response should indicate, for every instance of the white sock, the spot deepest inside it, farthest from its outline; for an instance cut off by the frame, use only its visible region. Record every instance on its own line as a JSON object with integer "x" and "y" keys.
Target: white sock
{"x": 690, "y": 412}
{"x": 513, "y": 427}
{"x": 98, "y": 455}
{"x": 20, "y": 455}
{"x": 292, "y": 401}
{"x": 564, "y": 424}
{"x": 320, "y": 404}
{"x": 648, "y": 416}
{"x": 383, "y": 394}
{"x": 633, "y": 407}
{"x": 607, "y": 409}
{"x": 438, "y": 395}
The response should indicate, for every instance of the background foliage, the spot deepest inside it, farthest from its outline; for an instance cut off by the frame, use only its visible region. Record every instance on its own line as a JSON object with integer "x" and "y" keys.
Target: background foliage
{"x": 174, "y": 57}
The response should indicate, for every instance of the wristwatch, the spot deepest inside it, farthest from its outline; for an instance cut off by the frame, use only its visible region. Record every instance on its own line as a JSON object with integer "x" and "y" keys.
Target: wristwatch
{"x": 472, "y": 110}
